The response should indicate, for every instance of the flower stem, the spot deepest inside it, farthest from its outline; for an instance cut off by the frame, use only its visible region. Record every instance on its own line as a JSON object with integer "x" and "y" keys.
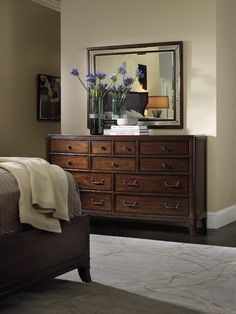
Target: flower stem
{"x": 83, "y": 84}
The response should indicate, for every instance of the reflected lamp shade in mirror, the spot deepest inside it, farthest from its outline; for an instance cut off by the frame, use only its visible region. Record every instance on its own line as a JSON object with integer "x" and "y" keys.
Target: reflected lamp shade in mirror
{"x": 156, "y": 103}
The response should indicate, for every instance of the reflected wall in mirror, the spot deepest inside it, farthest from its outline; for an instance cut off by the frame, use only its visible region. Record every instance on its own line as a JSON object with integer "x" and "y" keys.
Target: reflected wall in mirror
{"x": 158, "y": 96}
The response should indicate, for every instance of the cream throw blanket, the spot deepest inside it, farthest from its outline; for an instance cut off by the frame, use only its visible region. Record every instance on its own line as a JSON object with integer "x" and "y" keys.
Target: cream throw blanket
{"x": 43, "y": 191}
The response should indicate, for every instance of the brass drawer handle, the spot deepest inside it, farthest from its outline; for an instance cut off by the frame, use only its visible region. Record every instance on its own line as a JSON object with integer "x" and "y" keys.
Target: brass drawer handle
{"x": 172, "y": 206}
{"x": 132, "y": 204}
{"x": 114, "y": 164}
{"x": 69, "y": 146}
{"x": 124, "y": 147}
{"x": 169, "y": 185}
{"x": 100, "y": 147}
{"x": 101, "y": 182}
{"x": 130, "y": 183}
{"x": 69, "y": 163}
{"x": 97, "y": 203}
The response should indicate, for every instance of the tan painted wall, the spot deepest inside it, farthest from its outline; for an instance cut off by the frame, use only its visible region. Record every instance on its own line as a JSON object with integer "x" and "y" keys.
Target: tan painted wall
{"x": 124, "y": 22}
{"x": 30, "y": 44}
{"x": 137, "y": 22}
{"x": 226, "y": 103}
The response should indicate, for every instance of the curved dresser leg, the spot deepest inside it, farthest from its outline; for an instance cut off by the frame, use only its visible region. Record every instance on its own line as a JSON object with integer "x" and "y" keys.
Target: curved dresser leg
{"x": 192, "y": 228}
{"x": 84, "y": 273}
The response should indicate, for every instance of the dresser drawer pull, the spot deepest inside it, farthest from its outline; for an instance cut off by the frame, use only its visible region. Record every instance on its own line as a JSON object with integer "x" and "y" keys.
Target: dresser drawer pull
{"x": 114, "y": 164}
{"x": 101, "y": 182}
{"x": 172, "y": 206}
{"x": 163, "y": 165}
{"x": 124, "y": 147}
{"x": 69, "y": 163}
{"x": 169, "y": 185}
{"x": 100, "y": 147}
{"x": 163, "y": 147}
{"x": 69, "y": 146}
{"x": 132, "y": 204}
{"x": 97, "y": 203}
{"x": 130, "y": 183}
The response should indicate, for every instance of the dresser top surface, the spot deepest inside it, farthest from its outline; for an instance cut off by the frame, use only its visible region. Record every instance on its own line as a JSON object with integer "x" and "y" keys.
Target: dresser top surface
{"x": 123, "y": 137}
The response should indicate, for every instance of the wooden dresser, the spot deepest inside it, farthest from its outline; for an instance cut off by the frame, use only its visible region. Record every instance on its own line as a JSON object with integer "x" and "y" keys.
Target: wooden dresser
{"x": 157, "y": 178}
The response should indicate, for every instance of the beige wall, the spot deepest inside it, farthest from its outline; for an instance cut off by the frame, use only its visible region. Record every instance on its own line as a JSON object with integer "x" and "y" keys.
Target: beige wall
{"x": 30, "y": 44}
{"x": 226, "y": 103}
{"x": 193, "y": 21}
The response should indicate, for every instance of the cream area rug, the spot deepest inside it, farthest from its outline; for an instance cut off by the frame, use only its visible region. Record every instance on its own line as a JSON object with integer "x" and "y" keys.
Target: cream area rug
{"x": 139, "y": 276}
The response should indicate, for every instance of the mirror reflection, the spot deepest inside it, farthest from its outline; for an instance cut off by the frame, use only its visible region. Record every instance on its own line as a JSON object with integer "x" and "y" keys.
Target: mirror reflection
{"x": 156, "y": 98}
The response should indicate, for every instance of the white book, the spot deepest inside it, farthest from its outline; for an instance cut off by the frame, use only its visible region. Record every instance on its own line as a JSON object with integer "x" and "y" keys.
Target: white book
{"x": 129, "y": 127}
{"x": 128, "y": 132}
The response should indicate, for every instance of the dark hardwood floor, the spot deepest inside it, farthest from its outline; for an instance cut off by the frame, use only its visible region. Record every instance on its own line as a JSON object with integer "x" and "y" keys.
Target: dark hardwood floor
{"x": 224, "y": 236}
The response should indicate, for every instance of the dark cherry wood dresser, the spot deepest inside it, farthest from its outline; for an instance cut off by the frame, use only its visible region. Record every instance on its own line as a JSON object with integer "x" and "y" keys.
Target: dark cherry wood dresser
{"x": 155, "y": 178}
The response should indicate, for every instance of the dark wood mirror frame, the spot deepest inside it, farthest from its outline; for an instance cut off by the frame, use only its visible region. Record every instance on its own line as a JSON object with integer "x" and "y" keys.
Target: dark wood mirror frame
{"x": 175, "y": 51}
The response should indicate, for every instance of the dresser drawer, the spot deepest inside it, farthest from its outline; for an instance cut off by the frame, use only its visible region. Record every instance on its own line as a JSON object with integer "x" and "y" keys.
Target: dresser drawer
{"x": 70, "y": 161}
{"x": 164, "y": 164}
{"x": 101, "y": 147}
{"x": 125, "y": 147}
{"x": 163, "y": 148}
{"x": 69, "y": 146}
{"x": 96, "y": 201}
{"x": 94, "y": 181}
{"x": 151, "y": 184}
{"x": 150, "y": 205}
{"x": 114, "y": 164}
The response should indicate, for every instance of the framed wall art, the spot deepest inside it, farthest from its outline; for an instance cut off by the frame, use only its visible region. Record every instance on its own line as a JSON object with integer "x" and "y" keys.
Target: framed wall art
{"x": 49, "y": 97}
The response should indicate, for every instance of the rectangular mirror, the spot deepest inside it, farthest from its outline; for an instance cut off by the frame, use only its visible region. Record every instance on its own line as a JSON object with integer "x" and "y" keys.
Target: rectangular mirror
{"x": 158, "y": 96}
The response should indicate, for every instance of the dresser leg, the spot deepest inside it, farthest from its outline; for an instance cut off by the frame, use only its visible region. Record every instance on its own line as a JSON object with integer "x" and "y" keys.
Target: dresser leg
{"x": 192, "y": 228}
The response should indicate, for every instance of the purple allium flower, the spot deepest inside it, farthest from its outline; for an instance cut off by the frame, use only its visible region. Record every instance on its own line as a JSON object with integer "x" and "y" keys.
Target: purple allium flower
{"x": 91, "y": 78}
{"x": 122, "y": 70}
{"x": 102, "y": 86}
{"x": 120, "y": 88}
{"x": 100, "y": 75}
{"x": 113, "y": 77}
{"x": 98, "y": 89}
{"x": 74, "y": 72}
{"x": 139, "y": 73}
{"x": 128, "y": 80}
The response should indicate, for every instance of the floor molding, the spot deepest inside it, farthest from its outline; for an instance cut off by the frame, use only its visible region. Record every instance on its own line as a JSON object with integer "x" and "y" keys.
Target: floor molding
{"x": 221, "y": 218}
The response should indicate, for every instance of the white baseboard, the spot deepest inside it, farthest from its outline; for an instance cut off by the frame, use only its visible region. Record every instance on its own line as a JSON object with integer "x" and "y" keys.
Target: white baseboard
{"x": 221, "y": 218}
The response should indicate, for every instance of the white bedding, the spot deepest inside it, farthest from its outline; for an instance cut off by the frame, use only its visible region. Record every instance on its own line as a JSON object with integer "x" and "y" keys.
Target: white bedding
{"x": 43, "y": 191}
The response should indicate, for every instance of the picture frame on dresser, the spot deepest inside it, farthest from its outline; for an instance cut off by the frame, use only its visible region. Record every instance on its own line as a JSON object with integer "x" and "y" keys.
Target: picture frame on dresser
{"x": 158, "y": 178}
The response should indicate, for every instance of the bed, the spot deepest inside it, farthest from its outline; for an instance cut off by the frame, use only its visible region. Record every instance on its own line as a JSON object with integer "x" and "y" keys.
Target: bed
{"x": 29, "y": 255}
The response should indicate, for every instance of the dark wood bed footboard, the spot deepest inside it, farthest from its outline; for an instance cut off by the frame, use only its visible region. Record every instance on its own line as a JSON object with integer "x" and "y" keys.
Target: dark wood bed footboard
{"x": 33, "y": 255}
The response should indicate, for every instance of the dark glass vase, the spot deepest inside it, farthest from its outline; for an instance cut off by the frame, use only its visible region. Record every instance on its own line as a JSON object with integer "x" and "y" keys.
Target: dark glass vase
{"x": 96, "y": 116}
{"x": 96, "y": 126}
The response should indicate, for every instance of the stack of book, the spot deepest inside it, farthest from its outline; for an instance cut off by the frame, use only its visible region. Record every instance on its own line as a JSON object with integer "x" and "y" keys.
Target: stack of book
{"x": 129, "y": 130}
